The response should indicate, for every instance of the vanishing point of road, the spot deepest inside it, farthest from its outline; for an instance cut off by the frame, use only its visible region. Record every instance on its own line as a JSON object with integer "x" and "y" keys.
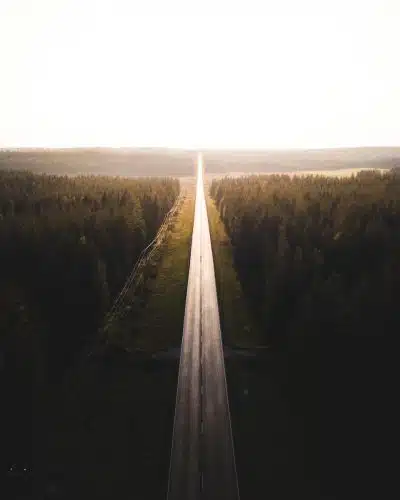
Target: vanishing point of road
{"x": 202, "y": 455}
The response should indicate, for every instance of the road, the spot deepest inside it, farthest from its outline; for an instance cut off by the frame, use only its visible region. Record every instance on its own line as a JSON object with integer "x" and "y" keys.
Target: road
{"x": 202, "y": 455}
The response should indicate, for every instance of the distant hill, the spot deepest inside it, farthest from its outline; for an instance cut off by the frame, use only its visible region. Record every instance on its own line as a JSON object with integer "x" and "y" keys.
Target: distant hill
{"x": 104, "y": 161}
{"x": 292, "y": 160}
{"x": 175, "y": 162}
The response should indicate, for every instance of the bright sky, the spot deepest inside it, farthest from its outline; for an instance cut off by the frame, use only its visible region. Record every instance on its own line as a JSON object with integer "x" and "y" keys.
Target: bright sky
{"x": 267, "y": 74}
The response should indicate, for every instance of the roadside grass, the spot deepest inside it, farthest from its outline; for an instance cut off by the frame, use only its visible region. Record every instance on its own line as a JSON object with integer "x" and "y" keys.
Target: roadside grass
{"x": 111, "y": 432}
{"x": 238, "y": 327}
{"x": 269, "y": 439}
{"x": 275, "y": 450}
{"x": 160, "y": 323}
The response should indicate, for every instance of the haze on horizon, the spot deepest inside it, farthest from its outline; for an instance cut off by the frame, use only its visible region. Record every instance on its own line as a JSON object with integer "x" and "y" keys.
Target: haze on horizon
{"x": 209, "y": 74}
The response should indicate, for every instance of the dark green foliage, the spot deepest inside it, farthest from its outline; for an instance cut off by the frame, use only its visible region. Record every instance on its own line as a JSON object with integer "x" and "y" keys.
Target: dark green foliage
{"x": 318, "y": 258}
{"x": 66, "y": 247}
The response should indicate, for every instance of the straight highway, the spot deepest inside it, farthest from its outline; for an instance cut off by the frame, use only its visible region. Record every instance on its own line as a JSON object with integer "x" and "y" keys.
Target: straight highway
{"x": 202, "y": 455}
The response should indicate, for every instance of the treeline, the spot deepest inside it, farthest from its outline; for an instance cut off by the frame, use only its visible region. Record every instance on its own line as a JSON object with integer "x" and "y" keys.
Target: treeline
{"x": 66, "y": 247}
{"x": 316, "y": 255}
{"x": 318, "y": 259}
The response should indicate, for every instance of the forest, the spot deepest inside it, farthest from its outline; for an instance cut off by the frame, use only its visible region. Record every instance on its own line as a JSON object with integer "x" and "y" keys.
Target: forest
{"x": 318, "y": 259}
{"x": 316, "y": 255}
{"x": 66, "y": 247}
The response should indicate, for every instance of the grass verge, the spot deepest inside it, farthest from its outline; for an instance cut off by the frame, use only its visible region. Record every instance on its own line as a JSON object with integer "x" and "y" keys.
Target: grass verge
{"x": 111, "y": 434}
{"x": 237, "y": 325}
{"x": 268, "y": 438}
{"x": 160, "y": 323}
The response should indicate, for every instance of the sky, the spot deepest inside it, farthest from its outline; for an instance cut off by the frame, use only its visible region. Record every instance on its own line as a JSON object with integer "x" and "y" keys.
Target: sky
{"x": 197, "y": 74}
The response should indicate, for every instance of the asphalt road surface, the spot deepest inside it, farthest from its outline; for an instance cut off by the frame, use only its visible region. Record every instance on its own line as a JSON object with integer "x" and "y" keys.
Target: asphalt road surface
{"x": 202, "y": 455}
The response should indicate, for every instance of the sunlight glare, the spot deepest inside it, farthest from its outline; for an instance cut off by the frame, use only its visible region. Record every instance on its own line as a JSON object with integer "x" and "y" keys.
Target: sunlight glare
{"x": 110, "y": 73}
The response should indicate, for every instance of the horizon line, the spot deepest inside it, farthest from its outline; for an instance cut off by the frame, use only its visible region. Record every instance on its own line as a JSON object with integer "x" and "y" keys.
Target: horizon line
{"x": 194, "y": 149}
